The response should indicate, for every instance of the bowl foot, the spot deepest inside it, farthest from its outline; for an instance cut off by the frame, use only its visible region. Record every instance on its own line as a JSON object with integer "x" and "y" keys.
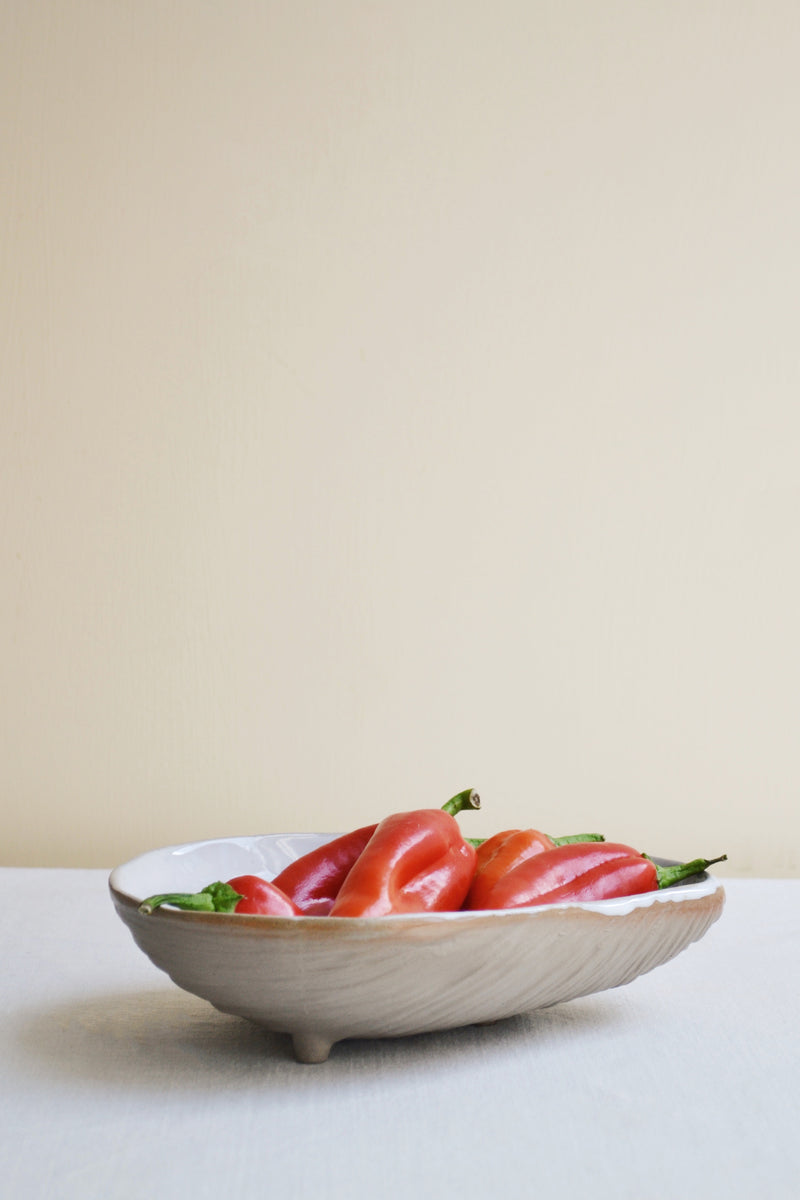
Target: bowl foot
{"x": 311, "y": 1047}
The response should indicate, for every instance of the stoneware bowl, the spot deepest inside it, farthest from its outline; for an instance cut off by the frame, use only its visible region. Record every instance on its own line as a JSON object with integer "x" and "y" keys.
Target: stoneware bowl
{"x": 321, "y": 979}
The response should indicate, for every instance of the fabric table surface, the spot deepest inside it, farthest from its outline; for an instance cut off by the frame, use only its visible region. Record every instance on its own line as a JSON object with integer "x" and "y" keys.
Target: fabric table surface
{"x": 116, "y": 1084}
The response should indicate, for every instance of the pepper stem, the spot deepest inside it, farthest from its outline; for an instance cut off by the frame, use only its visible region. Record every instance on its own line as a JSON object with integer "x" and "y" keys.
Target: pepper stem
{"x": 570, "y": 838}
{"x": 463, "y": 802}
{"x": 217, "y": 897}
{"x": 667, "y": 876}
{"x": 193, "y": 902}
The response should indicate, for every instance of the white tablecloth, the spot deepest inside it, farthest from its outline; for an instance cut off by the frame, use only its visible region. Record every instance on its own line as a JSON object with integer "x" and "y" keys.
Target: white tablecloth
{"x": 685, "y": 1083}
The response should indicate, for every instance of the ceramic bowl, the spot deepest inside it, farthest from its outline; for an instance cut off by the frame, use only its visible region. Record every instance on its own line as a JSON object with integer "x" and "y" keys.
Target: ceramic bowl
{"x": 322, "y": 979}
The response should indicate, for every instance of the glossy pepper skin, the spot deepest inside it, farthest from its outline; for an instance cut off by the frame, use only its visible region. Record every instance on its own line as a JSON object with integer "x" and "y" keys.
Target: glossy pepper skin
{"x": 313, "y": 880}
{"x": 414, "y": 862}
{"x": 243, "y": 894}
{"x": 583, "y": 871}
{"x": 506, "y": 850}
{"x": 500, "y": 854}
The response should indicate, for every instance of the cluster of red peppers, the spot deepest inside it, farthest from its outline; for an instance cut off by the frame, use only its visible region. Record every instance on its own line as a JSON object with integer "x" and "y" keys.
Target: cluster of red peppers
{"x": 415, "y": 862}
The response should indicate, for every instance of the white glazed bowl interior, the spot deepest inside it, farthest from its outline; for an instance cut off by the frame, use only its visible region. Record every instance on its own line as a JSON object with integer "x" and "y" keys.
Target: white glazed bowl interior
{"x": 322, "y": 979}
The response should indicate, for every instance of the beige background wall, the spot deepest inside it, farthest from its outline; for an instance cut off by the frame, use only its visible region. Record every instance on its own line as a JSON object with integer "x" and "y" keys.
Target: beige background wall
{"x": 397, "y": 397}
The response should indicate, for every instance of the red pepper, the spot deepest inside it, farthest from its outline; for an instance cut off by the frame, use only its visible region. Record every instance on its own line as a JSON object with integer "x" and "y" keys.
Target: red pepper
{"x": 414, "y": 862}
{"x": 504, "y": 851}
{"x": 244, "y": 894}
{"x": 500, "y": 854}
{"x": 582, "y": 871}
{"x": 314, "y": 880}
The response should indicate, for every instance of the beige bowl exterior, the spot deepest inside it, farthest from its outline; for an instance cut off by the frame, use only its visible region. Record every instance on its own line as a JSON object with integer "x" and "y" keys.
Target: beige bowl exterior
{"x": 323, "y": 979}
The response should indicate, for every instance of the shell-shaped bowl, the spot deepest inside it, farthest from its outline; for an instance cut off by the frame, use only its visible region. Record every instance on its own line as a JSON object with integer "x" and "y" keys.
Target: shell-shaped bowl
{"x": 322, "y": 979}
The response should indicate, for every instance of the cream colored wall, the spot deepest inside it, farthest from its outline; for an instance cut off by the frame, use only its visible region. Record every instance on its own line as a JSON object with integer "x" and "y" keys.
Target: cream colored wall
{"x": 399, "y": 397}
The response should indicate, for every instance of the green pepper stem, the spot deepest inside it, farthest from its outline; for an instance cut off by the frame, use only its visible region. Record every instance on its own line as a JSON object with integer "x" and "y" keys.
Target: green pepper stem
{"x": 192, "y": 902}
{"x": 570, "y": 838}
{"x": 667, "y": 876}
{"x": 217, "y": 897}
{"x": 463, "y": 802}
